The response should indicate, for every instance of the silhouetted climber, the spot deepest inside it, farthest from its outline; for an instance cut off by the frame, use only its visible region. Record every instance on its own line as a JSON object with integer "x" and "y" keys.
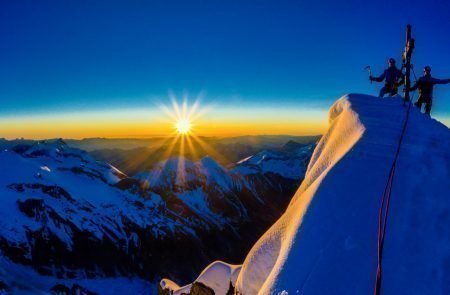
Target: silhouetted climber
{"x": 391, "y": 76}
{"x": 425, "y": 84}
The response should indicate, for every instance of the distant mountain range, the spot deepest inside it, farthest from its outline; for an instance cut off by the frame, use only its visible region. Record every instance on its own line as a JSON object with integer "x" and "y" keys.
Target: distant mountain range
{"x": 68, "y": 217}
{"x": 255, "y": 141}
{"x": 135, "y": 155}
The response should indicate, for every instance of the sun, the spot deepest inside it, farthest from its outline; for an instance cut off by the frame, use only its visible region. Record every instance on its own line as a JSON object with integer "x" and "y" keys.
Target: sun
{"x": 184, "y": 118}
{"x": 183, "y": 126}
{"x": 186, "y": 123}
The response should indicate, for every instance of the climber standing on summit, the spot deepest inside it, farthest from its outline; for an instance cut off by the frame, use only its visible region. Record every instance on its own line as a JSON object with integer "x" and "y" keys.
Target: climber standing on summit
{"x": 425, "y": 84}
{"x": 391, "y": 76}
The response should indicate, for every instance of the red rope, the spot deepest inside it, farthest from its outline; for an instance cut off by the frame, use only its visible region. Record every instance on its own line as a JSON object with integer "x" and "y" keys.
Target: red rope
{"x": 384, "y": 208}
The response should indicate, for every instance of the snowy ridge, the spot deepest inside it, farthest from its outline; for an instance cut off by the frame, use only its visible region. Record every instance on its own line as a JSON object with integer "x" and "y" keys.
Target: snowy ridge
{"x": 211, "y": 190}
{"x": 179, "y": 173}
{"x": 326, "y": 241}
{"x": 202, "y": 186}
{"x": 268, "y": 255}
{"x": 70, "y": 185}
{"x": 289, "y": 165}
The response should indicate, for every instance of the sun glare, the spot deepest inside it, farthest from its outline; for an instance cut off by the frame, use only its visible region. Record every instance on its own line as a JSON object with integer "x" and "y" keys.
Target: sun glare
{"x": 184, "y": 119}
{"x": 183, "y": 126}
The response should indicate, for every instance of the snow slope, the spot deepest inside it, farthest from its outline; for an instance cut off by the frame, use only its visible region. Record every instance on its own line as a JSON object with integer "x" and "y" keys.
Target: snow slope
{"x": 23, "y": 280}
{"x": 326, "y": 241}
{"x": 67, "y": 184}
{"x": 289, "y": 165}
{"x": 216, "y": 193}
{"x": 328, "y": 235}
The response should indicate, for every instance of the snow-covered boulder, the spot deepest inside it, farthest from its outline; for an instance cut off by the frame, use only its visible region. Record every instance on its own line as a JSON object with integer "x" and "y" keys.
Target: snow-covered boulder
{"x": 217, "y": 276}
{"x": 326, "y": 241}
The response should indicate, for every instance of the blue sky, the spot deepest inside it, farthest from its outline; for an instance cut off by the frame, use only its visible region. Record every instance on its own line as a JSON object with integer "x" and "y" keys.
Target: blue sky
{"x": 58, "y": 56}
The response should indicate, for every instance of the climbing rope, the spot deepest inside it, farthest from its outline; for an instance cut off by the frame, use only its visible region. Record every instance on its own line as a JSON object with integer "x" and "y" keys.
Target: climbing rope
{"x": 385, "y": 202}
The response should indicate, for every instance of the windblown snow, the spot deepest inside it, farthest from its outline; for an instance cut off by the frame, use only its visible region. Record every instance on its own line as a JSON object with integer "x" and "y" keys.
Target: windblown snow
{"x": 326, "y": 241}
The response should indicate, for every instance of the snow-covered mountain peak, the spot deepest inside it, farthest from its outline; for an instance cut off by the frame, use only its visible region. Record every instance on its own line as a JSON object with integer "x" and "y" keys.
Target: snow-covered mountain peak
{"x": 50, "y": 148}
{"x": 326, "y": 241}
{"x": 209, "y": 163}
{"x": 288, "y": 164}
{"x": 332, "y": 220}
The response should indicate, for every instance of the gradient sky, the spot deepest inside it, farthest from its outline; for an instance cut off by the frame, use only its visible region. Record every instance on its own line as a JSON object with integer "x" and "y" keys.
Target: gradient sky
{"x": 103, "y": 68}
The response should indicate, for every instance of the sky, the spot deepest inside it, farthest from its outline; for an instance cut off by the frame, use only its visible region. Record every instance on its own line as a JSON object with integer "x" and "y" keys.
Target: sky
{"x": 77, "y": 69}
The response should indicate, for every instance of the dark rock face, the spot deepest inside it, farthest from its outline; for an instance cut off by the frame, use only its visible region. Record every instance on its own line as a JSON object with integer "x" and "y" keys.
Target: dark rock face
{"x": 51, "y": 190}
{"x": 231, "y": 289}
{"x": 31, "y": 207}
{"x": 201, "y": 289}
{"x": 61, "y": 289}
{"x": 3, "y": 287}
{"x": 197, "y": 288}
{"x": 162, "y": 291}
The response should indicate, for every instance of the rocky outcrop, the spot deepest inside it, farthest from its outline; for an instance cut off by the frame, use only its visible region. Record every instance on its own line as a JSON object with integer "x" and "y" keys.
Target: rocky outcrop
{"x": 201, "y": 289}
{"x": 61, "y": 289}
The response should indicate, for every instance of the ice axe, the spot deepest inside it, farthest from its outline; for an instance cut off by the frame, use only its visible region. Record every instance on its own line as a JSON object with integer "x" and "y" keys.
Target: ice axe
{"x": 369, "y": 69}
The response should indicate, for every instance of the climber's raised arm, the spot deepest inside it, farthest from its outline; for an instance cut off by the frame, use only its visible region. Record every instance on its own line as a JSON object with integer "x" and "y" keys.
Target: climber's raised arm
{"x": 440, "y": 81}
{"x": 379, "y": 78}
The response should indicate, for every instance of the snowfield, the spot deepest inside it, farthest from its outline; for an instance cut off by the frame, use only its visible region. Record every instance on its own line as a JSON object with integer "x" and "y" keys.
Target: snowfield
{"x": 326, "y": 241}
{"x": 26, "y": 281}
